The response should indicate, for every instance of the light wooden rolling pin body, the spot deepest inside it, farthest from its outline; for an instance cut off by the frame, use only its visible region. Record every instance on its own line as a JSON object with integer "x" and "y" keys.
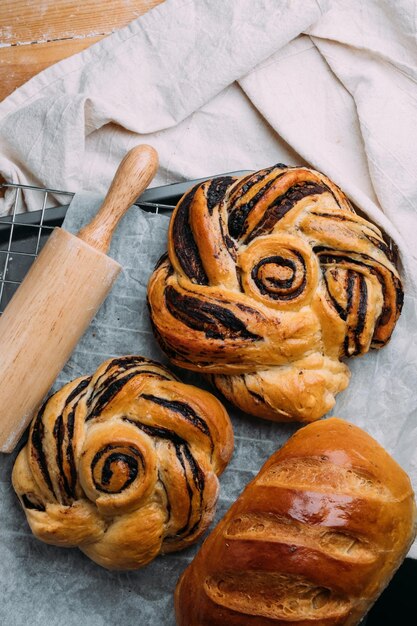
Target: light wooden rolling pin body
{"x": 58, "y": 299}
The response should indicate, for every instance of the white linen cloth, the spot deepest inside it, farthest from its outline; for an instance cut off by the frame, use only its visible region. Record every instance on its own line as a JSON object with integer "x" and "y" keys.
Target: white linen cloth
{"x": 218, "y": 86}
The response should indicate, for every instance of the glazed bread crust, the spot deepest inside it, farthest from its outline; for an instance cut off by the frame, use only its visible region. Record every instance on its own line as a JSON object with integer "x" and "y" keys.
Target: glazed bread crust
{"x": 312, "y": 541}
{"x": 124, "y": 464}
{"x": 269, "y": 281}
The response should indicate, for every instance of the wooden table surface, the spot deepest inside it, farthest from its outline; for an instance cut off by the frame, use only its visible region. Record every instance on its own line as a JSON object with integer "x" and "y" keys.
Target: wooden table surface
{"x": 37, "y": 33}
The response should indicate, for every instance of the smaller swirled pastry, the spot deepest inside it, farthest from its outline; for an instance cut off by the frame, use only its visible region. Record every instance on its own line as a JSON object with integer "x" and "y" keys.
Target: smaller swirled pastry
{"x": 271, "y": 280}
{"x": 124, "y": 464}
{"x": 312, "y": 541}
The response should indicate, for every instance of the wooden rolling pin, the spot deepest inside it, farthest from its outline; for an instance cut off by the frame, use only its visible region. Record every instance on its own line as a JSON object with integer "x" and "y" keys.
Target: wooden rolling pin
{"x": 59, "y": 297}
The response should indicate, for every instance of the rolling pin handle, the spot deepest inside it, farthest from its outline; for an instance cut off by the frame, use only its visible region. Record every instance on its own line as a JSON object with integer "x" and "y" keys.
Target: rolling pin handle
{"x": 133, "y": 175}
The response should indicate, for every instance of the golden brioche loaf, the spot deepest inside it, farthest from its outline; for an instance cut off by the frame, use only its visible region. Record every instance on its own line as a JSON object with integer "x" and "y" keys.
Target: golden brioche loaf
{"x": 124, "y": 464}
{"x": 270, "y": 280}
{"x": 312, "y": 540}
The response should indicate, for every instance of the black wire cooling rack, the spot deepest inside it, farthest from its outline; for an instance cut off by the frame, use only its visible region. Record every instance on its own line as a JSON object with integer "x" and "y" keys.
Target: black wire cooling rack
{"x": 23, "y": 234}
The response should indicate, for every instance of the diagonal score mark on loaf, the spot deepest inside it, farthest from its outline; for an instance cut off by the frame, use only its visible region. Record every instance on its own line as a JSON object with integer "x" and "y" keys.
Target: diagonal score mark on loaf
{"x": 272, "y": 595}
{"x": 276, "y": 562}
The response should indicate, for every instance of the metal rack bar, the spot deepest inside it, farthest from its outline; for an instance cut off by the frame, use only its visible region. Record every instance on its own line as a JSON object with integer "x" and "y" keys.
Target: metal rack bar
{"x": 6, "y": 264}
{"x": 38, "y": 240}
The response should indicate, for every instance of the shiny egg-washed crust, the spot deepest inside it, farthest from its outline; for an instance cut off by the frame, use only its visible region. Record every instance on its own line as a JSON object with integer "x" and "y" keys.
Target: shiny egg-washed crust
{"x": 312, "y": 541}
{"x": 124, "y": 464}
{"x": 269, "y": 281}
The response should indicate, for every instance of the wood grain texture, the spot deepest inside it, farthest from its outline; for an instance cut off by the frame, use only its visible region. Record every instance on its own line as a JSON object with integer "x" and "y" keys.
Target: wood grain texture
{"x": 34, "y": 35}
{"x": 18, "y": 64}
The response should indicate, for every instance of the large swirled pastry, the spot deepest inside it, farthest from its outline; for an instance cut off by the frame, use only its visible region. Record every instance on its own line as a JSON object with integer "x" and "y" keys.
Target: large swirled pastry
{"x": 270, "y": 280}
{"x": 124, "y": 464}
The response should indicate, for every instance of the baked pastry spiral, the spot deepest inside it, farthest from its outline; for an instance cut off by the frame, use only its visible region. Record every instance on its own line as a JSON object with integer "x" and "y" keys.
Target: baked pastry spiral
{"x": 269, "y": 281}
{"x": 124, "y": 464}
{"x": 313, "y": 539}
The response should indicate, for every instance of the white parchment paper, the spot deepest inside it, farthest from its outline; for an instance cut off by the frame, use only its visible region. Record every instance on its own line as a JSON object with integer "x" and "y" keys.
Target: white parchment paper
{"x": 44, "y": 584}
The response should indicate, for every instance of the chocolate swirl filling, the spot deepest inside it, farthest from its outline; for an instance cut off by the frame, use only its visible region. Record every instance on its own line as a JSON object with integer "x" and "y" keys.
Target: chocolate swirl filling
{"x": 215, "y": 321}
{"x": 115, "y": 467}
{"x": 238, "y": 213}
{"x": 282, "y": 205}
{"x": 63, "y": 431}
{"x": 188, "y": 465}
{"x": 280, "y": 278}
{"x": 390, "y": 285}
{"x": 186, "y": 248}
